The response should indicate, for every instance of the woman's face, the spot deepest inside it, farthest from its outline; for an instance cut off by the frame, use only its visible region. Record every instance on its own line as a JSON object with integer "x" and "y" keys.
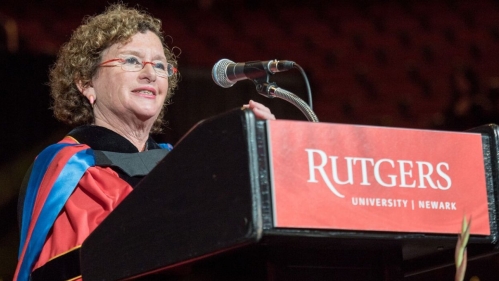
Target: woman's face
{"x": 125, "y": 98}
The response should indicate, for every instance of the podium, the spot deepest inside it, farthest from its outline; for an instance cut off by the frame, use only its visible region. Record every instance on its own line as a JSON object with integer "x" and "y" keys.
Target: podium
{"x": 207, "y": 210}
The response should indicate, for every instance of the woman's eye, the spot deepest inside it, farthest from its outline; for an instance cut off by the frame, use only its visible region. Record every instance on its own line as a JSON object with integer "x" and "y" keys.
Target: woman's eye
{"x": 132, "y": 60}
{"x": 159, "y": 65}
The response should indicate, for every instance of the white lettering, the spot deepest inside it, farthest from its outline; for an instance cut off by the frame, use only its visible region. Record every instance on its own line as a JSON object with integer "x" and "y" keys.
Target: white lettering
{"x": 349, "y": 170}
{"x": 383, "y": 172}
{"x": 444, "y": 176}
{"x": 377, "y": 175}
{"x": 379, "y": 202}
{"x": 437, "y": 205}
{"x": 403, "y": 173}
{"x": 423, "y": 175}
{"x": 320, "y": 168}
{"x": 363, "y": 162}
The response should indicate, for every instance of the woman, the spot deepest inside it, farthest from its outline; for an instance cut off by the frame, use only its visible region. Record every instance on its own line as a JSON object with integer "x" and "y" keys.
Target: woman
{"x": 112, "y": 79}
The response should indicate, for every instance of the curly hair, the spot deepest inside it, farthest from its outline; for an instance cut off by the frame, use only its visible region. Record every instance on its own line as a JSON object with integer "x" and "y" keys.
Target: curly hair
{"x": 79, "y": 59}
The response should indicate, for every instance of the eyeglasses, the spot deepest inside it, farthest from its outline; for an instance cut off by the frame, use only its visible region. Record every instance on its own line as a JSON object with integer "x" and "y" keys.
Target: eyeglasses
{"x": 134, "y": 64}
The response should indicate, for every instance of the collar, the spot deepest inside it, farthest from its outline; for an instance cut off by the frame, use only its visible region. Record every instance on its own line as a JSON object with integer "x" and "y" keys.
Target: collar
{"x": 100, "y": 138}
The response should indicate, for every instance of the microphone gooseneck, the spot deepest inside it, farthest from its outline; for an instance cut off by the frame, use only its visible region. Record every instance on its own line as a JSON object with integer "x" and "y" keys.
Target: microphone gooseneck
{"x": 226, "y": 73}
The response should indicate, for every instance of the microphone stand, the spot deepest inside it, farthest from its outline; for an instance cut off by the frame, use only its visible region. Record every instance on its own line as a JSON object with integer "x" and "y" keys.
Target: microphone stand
{"x": 271, "y": 90}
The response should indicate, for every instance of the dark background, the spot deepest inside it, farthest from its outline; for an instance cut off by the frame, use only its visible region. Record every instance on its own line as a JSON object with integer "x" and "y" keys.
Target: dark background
{"x": 413, "y": 64}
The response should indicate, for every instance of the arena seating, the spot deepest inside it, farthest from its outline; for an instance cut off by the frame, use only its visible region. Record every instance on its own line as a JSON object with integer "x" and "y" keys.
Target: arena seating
{"x": 373, "y": 62}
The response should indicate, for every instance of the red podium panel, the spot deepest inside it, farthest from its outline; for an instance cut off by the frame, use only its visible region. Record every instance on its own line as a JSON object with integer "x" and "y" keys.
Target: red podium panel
{"x": 363, "y": 178}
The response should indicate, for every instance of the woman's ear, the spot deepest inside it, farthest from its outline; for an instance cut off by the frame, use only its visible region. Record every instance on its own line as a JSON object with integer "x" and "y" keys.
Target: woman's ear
{"x": 87, "y": 90}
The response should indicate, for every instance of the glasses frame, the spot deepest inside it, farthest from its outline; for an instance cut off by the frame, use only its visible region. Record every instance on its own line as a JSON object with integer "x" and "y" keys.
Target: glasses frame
{"x": 144, "y": 63}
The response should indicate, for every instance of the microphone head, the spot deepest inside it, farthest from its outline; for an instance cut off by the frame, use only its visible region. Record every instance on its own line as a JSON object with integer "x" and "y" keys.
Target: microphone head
{"x": 219, "y": 73}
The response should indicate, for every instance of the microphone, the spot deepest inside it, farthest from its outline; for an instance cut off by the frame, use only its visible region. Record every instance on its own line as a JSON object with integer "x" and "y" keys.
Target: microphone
{"x": 226, "y": 73}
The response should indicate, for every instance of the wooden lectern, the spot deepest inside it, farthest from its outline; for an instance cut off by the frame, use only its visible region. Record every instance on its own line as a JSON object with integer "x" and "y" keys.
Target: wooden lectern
{"x": 206, "y": 211}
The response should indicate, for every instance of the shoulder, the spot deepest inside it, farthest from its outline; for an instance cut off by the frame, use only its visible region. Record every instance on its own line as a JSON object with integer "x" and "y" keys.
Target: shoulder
{"x": 67, "y": 145}
{"x": 58, "y": 160}
{"x": 61, "y": 152}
